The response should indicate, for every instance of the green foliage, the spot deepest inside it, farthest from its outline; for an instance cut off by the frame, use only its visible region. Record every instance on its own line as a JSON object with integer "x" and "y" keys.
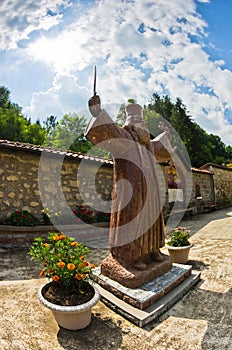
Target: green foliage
{"x": 88, "y": 215}
{"x": 4, "y": 97}
{"x": 179, "y": 237}
{"x": 121, "y": 117}
{"x": 69, "y": 134}
{"x": 50, "y": 124}
{"x": 21, "y": 218}
{"x": 14, "y": 126}
{"x": 84, "y": 213}
{"x": 63, "y": 259}
{"x": 202, "y": 147}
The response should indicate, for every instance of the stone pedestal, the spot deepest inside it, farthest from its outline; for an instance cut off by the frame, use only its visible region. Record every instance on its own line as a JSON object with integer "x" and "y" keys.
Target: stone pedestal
{"x": 144, "y": 304}
{"x": 132, "y": 277}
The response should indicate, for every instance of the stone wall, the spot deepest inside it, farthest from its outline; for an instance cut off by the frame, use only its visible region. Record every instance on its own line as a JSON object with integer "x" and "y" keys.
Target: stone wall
{"x": 23, "y": 178}
{"x": 33, "y": 177}
{"x": 222, "y": 183}
{"x": 202, "y": 186}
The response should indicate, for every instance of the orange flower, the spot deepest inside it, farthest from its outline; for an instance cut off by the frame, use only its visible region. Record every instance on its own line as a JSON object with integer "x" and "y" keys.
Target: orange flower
{"x": 71, "y": 266}
{"x": 56, "y": 238}
{"x": 82, "y": 257}
{"x": 74, "y": 244}
{"x": 56, "y": 278}
{"x": 85, "y": 263}
{"x": 78, "y": 276}
{"x": 42, "y": 272}
{"x": 63, "y": 236}
{"x": 61, "y": 264}
{"x": 83, "y": 276}
{"x": 46, "y": 245}
{"x": 51, "y": 271}
{"x": 92, "y": 266}
{"x": 59, "y": 254}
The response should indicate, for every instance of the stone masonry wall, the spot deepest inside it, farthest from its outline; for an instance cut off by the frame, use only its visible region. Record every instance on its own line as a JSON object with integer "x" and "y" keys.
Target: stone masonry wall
{"x": 67, "y": 179}
{"x": 204, "y": 181}
{"x": 20, "y": 187}
{"x": 222, "y": 184}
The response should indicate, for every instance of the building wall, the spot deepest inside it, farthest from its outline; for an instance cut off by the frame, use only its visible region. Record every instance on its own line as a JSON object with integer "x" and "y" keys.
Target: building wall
{"x": 202, "y": 185}
{"x": 202, "y": 182}
{"x": 222, "y": 183}
{"x": 61, "y": 180}
{"x": 22, "y": 181}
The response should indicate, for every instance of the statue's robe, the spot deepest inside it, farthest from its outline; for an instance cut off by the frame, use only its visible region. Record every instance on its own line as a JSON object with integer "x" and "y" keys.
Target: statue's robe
{"x": 136, "y": 225}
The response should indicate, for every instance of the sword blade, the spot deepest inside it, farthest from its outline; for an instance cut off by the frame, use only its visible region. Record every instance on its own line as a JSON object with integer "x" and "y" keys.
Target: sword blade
{"x": 94, "y": 80}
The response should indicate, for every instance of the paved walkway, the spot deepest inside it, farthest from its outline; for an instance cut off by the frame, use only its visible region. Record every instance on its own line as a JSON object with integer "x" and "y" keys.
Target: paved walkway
{"x": 202, "y": 320}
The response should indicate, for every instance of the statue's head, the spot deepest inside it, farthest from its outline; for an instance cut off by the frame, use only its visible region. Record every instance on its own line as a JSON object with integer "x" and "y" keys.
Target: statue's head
{"x": 135, "y": 123}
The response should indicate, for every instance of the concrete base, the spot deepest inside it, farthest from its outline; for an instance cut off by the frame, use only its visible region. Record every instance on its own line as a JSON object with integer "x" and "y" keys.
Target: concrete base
{"x": 142, "y": 305}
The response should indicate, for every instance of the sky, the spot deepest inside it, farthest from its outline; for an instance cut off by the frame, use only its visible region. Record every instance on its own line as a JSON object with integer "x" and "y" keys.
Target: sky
{"x": 177, "y": 48}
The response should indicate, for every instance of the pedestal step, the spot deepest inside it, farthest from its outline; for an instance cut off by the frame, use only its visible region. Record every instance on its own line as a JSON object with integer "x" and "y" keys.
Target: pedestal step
{"x": 142, "y": 305}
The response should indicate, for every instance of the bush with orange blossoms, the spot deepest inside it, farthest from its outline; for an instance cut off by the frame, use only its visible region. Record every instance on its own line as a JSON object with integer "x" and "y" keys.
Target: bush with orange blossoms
{"x": 63, "y": 259}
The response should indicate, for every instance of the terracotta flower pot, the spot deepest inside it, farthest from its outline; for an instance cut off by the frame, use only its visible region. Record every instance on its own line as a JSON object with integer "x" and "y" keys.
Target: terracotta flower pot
{"x": 179, "y": 254}
{"x": 71, "y": 317}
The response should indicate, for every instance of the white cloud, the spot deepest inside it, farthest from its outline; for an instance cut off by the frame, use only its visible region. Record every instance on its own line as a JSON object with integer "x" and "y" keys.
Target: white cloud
{"x": 65, "y": 96}
{"x": 20, "y": 18}
{"x": 139, "y": 47}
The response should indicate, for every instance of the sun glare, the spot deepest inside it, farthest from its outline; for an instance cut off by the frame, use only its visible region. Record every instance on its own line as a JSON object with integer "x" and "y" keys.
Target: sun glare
{"x": 53, "y": 52}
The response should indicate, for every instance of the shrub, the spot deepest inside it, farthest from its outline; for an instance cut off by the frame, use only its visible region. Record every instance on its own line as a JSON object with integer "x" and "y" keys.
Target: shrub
{"x": 21, "y": 218}
{"x": 88, "y": 215}
{"x": 63, "y": 259}
{"x": 179, "y": 237}
{"x": 82, "y": 213}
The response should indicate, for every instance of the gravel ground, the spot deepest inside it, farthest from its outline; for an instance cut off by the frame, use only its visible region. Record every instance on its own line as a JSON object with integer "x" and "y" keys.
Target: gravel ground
{"x": 202, "y": 319}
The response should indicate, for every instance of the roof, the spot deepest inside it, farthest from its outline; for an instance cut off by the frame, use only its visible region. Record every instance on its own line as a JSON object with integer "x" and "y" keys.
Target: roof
{"x": 207, "y": 165}
{"x": 37, "y": 149}
{"x": 206, "y": 171}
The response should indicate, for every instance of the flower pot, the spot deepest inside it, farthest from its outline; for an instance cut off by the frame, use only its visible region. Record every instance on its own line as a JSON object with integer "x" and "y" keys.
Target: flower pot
{"x": 179, "y": 254}
{"x": 71, "y": 317}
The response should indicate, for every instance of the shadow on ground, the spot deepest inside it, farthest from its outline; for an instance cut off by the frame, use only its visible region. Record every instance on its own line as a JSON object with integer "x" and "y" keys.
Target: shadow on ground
{"x": 212, "y": 308}
{"x": 100, "y": 334}
{"x": 16, "y": 264}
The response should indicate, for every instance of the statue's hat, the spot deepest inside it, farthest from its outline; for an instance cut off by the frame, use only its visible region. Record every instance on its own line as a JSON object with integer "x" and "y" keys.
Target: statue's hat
{"x": 134, "y": 109}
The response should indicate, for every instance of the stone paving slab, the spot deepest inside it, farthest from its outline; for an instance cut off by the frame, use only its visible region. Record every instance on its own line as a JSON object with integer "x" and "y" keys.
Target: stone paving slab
{"x": 217, "y": 229}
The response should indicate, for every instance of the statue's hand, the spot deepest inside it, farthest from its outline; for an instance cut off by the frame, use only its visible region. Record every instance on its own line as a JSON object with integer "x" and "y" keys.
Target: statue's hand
{"x": 95, "y": 105}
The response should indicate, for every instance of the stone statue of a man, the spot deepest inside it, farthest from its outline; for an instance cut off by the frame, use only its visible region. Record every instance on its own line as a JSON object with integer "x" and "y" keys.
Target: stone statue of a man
{"x": 136, "y": 225}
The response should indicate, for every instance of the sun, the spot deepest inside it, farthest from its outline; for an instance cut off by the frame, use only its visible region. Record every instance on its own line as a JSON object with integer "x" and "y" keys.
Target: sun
{"x": 54, "y": 52}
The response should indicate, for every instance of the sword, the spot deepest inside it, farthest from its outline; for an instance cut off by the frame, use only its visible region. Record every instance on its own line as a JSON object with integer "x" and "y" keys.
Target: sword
{"x": 94, "y": 80}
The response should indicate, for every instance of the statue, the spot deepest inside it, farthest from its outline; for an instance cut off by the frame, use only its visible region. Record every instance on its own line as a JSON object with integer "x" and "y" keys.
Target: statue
{"x": 136, "y": 227}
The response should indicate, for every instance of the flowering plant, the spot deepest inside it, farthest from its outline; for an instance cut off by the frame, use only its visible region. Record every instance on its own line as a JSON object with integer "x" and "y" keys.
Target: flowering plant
{"x": 179, "y": 237}
{"x": 21, "y": 218}
{"x": 83, "y": 213}
{"x": 88, "y": 215}
{"x": 64, "y": 261}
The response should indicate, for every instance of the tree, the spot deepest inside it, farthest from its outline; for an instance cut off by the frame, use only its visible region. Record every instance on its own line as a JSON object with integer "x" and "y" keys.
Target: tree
{"x": 14, "y": 126}
{"x": 50, "y": 124}
{"x": 4, "y": 97}
{"x": 33, "y": 134}
{"x": 5, "y": 102}
{"x": 69, "y": 134}
{"x": 201, "y": 147}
